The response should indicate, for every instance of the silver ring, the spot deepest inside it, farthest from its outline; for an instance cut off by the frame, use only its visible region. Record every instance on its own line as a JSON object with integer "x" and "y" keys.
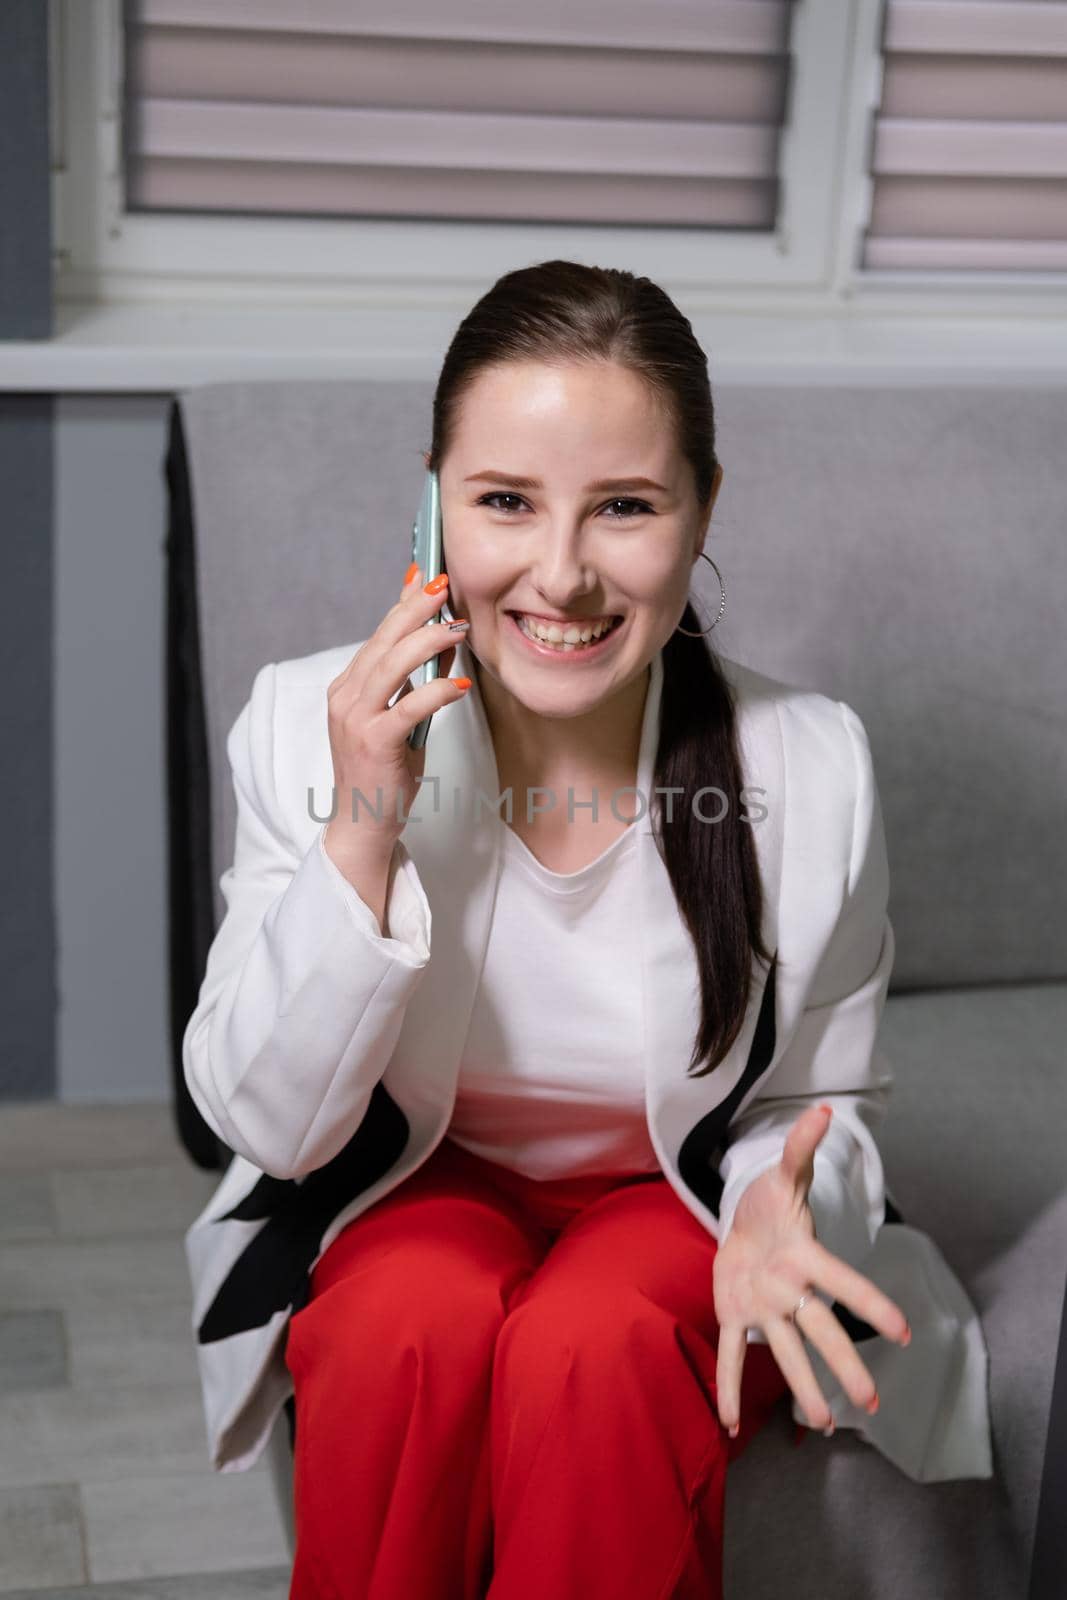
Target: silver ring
{"x": 796, "y": 1308}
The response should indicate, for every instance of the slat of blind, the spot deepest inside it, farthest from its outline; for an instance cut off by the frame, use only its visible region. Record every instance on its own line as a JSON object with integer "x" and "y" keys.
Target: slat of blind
{"x": 757, "y": 26}
{"x": 296, "y": 190}
{"x": 229, "y": 108}
{"x": 969, "y": 155}
{"x": 978, "y": 149}
{"x": 592, "y": 145}
{"x": 994, "y": 208}
{"x": 1011, "y": 89}
{"x": 976, "y": 27}
{"x": 197, "y": 64}
{"x": 990, "y": 255}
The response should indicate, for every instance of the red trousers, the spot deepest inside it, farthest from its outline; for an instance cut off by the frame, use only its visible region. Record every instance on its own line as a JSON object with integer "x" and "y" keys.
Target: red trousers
{"x": 505, "y": 1389}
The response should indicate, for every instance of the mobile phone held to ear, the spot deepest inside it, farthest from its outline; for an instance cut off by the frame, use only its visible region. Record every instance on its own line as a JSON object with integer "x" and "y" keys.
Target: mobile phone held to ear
{"x": 427, "y": 548}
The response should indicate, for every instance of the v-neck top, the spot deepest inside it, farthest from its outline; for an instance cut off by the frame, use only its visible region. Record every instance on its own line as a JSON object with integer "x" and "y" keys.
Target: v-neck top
{"x": 551, "y": 1079}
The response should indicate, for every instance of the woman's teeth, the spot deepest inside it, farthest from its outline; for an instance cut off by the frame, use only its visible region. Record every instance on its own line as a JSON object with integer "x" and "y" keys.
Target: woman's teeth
{"x": 564, "y": 638}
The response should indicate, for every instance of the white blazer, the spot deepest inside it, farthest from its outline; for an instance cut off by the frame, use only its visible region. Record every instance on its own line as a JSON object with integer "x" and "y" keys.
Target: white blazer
{"x": 326, "y": 1056}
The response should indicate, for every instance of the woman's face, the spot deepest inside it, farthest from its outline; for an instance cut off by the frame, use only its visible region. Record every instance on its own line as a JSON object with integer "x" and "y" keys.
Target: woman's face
{"x": 545, "y": 522}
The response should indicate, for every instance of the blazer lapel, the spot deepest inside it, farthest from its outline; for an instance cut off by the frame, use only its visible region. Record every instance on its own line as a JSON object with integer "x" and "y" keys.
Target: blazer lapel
{"x": 456, "y": 851}
{"x": 289, "y": 1223}
{"x": 688, "y": 1117}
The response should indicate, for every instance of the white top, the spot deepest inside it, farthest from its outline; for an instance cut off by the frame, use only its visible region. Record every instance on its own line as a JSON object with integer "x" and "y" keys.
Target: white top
{"x": 551, "y": 1080}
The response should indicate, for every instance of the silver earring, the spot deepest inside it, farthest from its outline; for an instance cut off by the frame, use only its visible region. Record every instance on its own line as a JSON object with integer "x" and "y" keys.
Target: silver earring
{"x": 722, "y": 606}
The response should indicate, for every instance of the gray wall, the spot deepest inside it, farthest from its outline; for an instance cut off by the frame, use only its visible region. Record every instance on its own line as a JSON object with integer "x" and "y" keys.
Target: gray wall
{"x": 27, "y": 915}
{"x": 83, "y": 876}
{"x": 110, "y": 819}
{"x": 83, "y": 879}
{"x": 25, "y": 249}
{"x": 27, "y": 918}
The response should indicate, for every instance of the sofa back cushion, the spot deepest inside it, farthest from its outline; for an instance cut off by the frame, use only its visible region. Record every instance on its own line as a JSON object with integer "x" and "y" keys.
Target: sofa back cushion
{"x": 903, "y": 549}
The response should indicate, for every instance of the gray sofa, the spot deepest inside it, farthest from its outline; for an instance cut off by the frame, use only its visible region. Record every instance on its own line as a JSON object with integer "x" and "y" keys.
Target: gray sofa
{"x": 902, "y": 549}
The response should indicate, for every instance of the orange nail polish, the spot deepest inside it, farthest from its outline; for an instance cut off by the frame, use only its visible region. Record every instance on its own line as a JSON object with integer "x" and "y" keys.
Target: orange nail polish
{"x": 435, "y": 585}
{"x": 410, "y": 573}
{"x": 873, "y": 1407}
{"x": 462, "y": 683}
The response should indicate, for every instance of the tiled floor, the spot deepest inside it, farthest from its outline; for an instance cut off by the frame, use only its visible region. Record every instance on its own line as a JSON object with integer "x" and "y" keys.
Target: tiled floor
{"x": 106, "y": 1490}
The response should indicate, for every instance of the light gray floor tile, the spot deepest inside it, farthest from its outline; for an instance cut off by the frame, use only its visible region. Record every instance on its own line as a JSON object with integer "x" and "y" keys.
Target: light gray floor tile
{"x": 43, "y": 1134}
{"x": 130, "y": 1200}
{"x": 130, "y": 1345}
{"x": 27, "y": 1210}
{"x": 63, "y": 1435}
{"x": 99, "y": 1386}
{"x": 144, "y": 1527}
{"x": 33, "y": 1351}
{"x": 267, "y": 1583}
{"x": 66, "y": 1274}
{"x": 41, "y": 1537}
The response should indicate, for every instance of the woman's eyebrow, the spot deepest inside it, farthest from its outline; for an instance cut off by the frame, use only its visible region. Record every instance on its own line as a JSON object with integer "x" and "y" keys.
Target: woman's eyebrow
{"x": 601, "y": 484}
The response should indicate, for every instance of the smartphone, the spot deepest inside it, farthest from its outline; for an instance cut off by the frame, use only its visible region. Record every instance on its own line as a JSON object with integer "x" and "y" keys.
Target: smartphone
{"x": 427, "y": 548}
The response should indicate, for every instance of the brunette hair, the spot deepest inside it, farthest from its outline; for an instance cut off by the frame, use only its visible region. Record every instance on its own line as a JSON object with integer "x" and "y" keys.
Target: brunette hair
{"x": 561, "y": 311}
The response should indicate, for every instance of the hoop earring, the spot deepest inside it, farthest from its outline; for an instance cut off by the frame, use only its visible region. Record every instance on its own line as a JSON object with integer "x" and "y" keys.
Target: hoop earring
{"x": 722, "y": 606}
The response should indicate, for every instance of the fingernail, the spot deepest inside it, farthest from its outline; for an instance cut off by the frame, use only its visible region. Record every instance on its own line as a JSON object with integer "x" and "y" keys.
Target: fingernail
{"x": 873, "y": 1407}
{"x": 462, "y": 683}
{"x": 828, "y": 1109}
{"x": 907, "y": 1336}
{"x": 828, "y": 1433}
{"x": 735, "y": 1430}
{"x": 410, "y": 573}
{"x": 435, "y": 585}
{"x": 458, "y": 626}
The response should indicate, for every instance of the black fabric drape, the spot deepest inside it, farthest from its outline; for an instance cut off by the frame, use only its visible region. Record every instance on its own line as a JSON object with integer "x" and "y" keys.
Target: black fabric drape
{"x": 191, "y": 917}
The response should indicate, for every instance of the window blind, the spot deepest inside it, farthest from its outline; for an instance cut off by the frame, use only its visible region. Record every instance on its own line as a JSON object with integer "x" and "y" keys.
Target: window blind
{"x": 592, "y": 111}
{"x": 969, "y": 151}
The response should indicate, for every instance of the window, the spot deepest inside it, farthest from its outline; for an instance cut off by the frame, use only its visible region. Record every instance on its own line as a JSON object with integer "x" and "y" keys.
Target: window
{"x": 970, "y": 139}
{"x": 751, "y": 155}
{"x": 607, "y": 111}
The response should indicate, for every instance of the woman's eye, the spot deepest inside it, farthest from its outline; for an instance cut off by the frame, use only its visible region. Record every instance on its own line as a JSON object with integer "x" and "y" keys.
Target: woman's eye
{"x": 640, "y": 504}
{"x": 487, "y": 499}
{"x": 498, "y": 495}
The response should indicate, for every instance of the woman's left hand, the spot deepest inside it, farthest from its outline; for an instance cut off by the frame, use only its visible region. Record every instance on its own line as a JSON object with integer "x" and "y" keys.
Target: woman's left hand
{"x": 769, "y": 1259}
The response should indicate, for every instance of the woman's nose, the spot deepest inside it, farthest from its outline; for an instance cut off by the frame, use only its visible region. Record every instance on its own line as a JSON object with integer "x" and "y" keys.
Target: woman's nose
{"x": 562, "y": 571}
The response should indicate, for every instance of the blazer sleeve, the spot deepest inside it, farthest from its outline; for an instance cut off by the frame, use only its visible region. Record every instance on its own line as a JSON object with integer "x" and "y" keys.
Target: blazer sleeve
{"x": 303, "y": 996}
{"x": 833, "y": 1054}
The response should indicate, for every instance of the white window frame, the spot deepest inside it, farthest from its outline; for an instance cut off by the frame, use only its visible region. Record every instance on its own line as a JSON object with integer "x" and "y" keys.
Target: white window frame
{"x": 104, "y": 256}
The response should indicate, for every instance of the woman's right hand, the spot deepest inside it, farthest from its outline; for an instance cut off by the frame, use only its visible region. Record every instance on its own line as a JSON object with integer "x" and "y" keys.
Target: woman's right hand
{"x": 369, "y": 738}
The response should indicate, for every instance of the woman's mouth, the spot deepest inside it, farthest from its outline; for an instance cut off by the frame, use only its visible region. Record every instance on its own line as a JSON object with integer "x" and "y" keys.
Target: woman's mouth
{"x": 561, "y": 645}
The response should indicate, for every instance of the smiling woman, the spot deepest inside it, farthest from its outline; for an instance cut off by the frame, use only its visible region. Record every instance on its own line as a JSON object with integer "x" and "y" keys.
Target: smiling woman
{"x": 558, "y": 370}
{"x": 552, "y": 1214}
{"x": 571, "y": 571}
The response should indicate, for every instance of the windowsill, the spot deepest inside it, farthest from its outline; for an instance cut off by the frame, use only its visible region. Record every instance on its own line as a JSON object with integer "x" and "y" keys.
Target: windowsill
{"x": 150, "y": 347}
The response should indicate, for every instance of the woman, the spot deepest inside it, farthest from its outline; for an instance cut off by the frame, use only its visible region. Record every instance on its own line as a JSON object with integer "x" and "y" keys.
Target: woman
{"x": 523, "y": 1357}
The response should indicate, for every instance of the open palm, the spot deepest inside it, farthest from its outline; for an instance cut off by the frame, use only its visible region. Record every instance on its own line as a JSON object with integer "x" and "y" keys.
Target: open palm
{"x": 770, "y": 1257}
